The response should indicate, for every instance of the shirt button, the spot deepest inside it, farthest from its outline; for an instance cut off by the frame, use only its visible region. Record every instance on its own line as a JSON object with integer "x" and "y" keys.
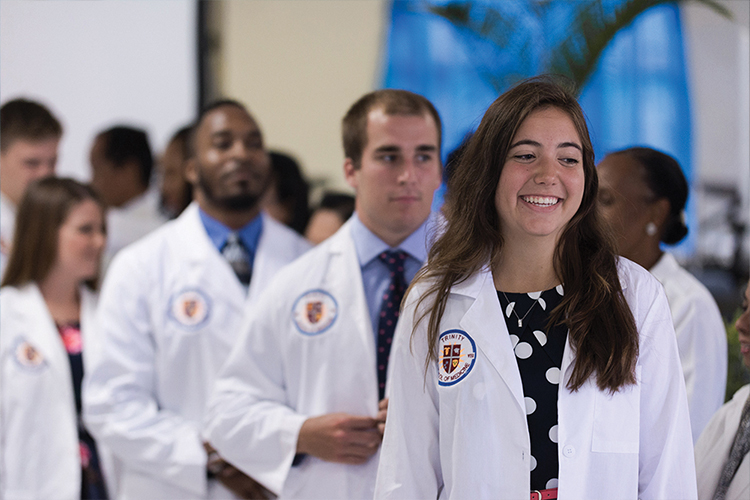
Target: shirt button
{"x": 569, "y": 451}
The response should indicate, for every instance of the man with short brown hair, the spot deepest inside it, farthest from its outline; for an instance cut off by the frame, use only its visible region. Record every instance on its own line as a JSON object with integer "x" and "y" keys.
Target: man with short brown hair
{"x": 300, "y": 404}
{"x": 29, "y": 139}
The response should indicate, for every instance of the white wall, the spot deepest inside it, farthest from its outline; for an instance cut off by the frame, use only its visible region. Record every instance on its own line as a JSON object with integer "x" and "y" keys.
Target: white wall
{"x": 97, "y": 63}
{"x": 718, "y": 52}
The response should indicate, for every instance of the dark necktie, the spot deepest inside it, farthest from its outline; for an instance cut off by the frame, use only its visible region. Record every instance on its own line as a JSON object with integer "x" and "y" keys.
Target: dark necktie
{"x": 238, "y": 257}
{"x": 389, "y": 311}
{"x": 740, "y": 448}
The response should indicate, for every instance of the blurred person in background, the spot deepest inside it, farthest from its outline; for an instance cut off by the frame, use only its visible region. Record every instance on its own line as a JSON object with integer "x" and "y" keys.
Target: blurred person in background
{"x": 300, "y": 403}
{"x": 176, "y": 191}
{"x": 48, "y": 301}
{"x": 287, "y": 197}
{"x": 722, "y": 454}
{"x": 169, "y": 314}
{"x": 332, "y": 212}
{"x": 643, "y": 194}
{"x": 29, "y": 140}
{"x": 121, "y": 167}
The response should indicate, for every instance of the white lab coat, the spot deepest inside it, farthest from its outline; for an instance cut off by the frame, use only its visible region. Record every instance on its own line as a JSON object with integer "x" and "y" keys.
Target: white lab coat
{"x": 712, "y": 451}
{"x": 131, "y": 222}
{"x": 39, "y": 451}
{"x": 471, "y": 440}
{"x": 701, "y": 340}
{"x": 169, "y": 313}
{"x": 277, "y": 376}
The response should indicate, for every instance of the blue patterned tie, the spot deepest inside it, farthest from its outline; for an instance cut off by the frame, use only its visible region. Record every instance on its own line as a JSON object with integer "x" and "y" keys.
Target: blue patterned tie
{"x": 238, "y": 257}
{"x": 389, "y": 311}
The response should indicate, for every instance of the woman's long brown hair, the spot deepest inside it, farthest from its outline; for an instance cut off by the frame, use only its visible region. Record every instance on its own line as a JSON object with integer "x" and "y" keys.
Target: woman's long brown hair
{"x": 602, "y": 328}
{"x": 43, "y": 210}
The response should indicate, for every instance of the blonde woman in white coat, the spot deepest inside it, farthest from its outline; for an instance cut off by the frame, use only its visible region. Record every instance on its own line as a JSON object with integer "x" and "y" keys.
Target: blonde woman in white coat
{"x": 47, "y": 303}
{"x": 528, "y": 361}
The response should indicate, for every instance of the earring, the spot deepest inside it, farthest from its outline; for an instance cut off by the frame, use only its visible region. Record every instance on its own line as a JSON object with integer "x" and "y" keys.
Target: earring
{"x": 651, "y": 229}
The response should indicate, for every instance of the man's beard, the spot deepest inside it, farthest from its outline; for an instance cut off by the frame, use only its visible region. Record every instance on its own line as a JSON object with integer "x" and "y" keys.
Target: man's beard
{"x": 239, "y": 202}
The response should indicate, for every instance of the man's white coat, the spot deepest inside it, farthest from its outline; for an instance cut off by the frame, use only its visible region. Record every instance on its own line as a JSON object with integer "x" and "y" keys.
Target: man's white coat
{"x": 169, "y": 314}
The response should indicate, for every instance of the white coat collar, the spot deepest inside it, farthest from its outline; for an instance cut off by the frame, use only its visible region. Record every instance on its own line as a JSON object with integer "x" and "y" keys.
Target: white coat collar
{"x": 42, "y": 331}
{"x": 495, "y": 341}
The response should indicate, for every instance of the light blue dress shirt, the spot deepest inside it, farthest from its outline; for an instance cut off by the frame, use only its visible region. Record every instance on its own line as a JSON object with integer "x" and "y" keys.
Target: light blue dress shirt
{"x": 375, "y": 274}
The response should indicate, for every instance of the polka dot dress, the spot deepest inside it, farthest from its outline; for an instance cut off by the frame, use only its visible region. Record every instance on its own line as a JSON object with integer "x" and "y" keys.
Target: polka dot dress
{"x": 539, "y": 354}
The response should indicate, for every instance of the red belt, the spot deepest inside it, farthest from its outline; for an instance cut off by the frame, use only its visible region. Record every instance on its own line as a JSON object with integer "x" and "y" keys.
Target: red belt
{"x": 544, "y": 494}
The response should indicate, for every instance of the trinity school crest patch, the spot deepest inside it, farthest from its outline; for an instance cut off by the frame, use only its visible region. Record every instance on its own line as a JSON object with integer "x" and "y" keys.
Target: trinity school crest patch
{"x": 190, "y": 308}
{"x": 314, "y": 312}
{"x": 458, "y": 353}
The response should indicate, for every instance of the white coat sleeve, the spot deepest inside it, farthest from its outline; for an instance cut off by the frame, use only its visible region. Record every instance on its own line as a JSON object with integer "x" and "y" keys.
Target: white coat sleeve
{"x": 409, "y": 465}
{"x": 249, "y": 420}
{"x": 666, "y": 467}
{"x": 121, "y": 408}
{"x": 702, "y": 342}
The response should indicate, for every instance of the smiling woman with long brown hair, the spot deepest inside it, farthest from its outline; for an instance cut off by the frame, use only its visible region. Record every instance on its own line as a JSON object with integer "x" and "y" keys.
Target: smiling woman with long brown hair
{"x": 47, "y": 302}
{"x": 529, "y": 359}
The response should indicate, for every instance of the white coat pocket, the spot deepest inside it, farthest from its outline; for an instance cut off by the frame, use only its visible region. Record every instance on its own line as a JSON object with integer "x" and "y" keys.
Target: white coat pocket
{"x": 617, "y": 420}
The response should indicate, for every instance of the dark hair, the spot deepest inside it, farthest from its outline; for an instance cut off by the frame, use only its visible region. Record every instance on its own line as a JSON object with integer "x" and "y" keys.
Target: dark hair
{"x": 43, "y": 210}
{"x": 665, "y": 179}
{"x": 182, "y": 138}
{"x": 123, "y": 144}
{"x": 392, "y": 102}
{"x": 342, "y": 204}
{"x": 292, "y": 189}
{"x": 602, "y": 329}
{"x": 29, "y": 120}
{"x": 202, "y": 114}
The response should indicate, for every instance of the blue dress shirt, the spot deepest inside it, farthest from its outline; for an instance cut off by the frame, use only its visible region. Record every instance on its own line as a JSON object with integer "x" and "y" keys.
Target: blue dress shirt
{"x": 375, "y": 274}
{"x": 218, "y": 232}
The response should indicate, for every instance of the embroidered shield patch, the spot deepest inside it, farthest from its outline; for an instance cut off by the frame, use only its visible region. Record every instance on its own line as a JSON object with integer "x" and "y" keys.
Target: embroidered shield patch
{"x": 314, "y": 312}
{"x": 27, "y": 356}
{"x": 457, "y": 356}
{"x": 190, "y": 308}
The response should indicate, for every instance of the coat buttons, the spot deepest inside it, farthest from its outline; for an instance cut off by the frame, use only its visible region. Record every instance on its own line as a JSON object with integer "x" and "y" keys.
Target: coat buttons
{"x": 569, "y": 451}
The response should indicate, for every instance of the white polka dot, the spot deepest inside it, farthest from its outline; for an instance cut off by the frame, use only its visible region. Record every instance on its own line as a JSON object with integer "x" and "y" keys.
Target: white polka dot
{"x": 509, "y": 309}
{"x": 553, "y": 433}
{"x": 542, "y": 303}
{"x": 513, "y": 340}
{"x": 480, "y": 391}
{"x": 530, "y": 405}
{"x": 552, "y": 483}
{"x": 533, "y": 462}
{"x": 560, "y": 291}
{"x": 534, "y": 295}
{"x": 540, "y": 336}
{"x": 524, "y": 350}
{"x": 553, "y": 375}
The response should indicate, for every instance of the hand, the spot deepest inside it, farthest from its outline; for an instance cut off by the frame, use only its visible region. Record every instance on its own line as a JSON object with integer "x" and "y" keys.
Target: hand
{"x": 339, "y": 437}
{"x": 234, "y": 479}
{"x": 382, "y": 413}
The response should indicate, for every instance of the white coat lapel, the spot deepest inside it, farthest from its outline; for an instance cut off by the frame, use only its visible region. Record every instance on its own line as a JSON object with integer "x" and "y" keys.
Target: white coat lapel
{"x": 210, "y": 270}
{"x": 42, "y": 332}
{"x": 484, "y": 322}
{"x": 344, "y": 275}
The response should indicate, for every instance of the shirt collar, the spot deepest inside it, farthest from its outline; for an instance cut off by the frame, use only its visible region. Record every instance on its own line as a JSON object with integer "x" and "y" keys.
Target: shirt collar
{"x": 218, "y": 232}
{"x": 369, "y": 246}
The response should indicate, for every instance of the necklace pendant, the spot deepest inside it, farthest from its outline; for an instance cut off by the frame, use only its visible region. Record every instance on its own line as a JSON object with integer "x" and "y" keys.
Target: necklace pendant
{"x": 519, "y": 324}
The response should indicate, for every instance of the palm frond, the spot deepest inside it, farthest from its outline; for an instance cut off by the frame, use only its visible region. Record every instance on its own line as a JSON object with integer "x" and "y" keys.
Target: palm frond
{"x": 590, "y": 31}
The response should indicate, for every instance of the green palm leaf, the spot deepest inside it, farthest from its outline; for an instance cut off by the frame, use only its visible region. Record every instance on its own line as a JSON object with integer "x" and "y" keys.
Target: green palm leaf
{"x": 591, "y": 29}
